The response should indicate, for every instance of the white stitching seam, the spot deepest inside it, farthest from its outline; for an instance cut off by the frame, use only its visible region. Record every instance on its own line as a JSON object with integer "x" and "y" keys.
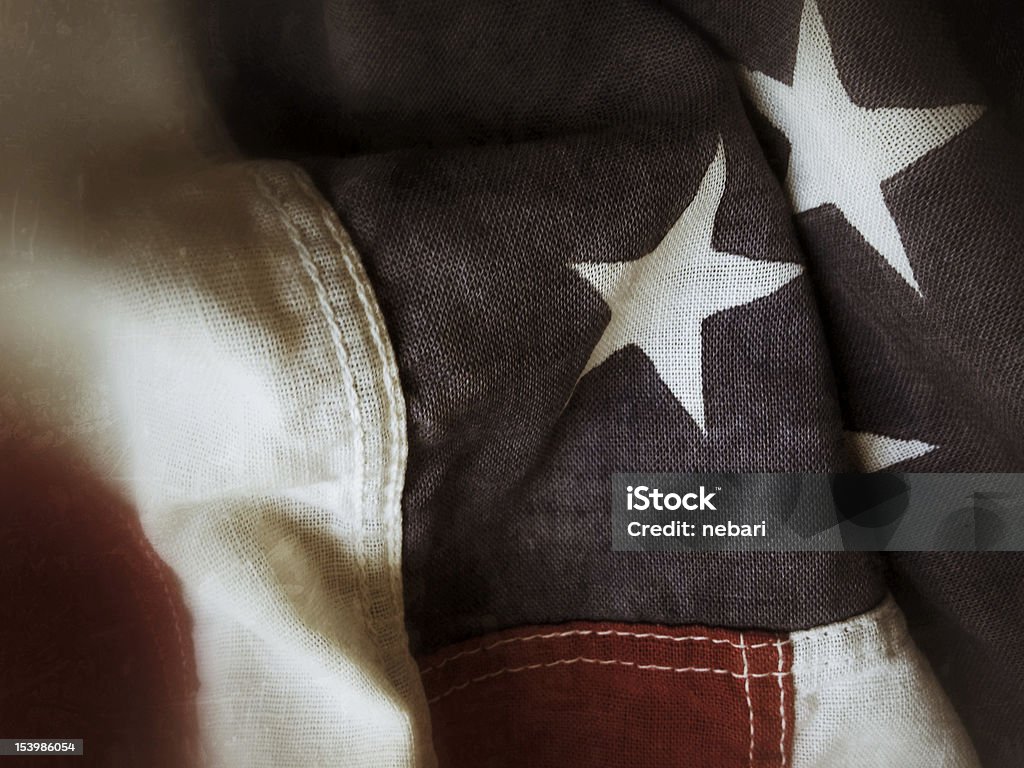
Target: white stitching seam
{"x": 742, "y": 646}
{"x": 337, "y": 339}
{"x": 746, "y": 691}
{"x": 375, "y": 322}
{"x": 595, "y": 633}
{"x": 604, "y": 662}
{"x": 386, "y": 632}
{"x": 782, "y": 711}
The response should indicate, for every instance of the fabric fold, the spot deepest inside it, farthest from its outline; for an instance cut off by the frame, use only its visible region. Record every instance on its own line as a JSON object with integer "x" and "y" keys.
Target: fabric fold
{"x": 225, "y": 350}
{"x": 865, "y": 697}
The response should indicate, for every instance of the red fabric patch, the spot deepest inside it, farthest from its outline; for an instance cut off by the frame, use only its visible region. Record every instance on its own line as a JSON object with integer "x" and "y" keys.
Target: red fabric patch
{"x": 95, "y": 642}
{"x": 604, "y": 694}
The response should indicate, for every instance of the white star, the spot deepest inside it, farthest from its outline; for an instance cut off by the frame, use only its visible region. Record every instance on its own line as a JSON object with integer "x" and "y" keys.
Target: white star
{"x": 659, "y": 301}
{"x": 841, "y": 153}
{"x": 874, "y": 452}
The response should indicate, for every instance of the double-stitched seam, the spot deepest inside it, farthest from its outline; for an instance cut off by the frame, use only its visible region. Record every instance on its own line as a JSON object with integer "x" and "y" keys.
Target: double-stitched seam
{"x": 782, "y": 710}
{"x": 743, "y": 646}
{"x": 745, "y": 675}
{"x": 594, "y": 633}
{"x": 395, "y": 434}
{"x": 746, "y": 691}
{"x": 341, "y": 353}
{"x": 387, "y": 628}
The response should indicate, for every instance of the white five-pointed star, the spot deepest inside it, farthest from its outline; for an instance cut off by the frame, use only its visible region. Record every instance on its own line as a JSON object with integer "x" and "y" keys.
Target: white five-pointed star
{"x": 841, "y": 153}
{"x": 659, "y": 301}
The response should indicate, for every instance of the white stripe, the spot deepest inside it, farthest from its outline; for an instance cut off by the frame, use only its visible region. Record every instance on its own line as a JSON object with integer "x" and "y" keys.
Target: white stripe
{"x": 782, "y": 708}
{"x": 228, "y": 353}
{"x": 866, "y": 698}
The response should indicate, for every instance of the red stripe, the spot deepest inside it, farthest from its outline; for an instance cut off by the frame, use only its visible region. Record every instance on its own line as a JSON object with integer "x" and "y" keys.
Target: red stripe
{"x": 608, "y": 694}
{"x": 95, "y": 641}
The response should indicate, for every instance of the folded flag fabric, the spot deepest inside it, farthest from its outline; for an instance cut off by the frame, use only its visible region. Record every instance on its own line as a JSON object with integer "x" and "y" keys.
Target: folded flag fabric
{"x": 345, "y": 378}
{"x": 855, "y": 692}
{"x": 653, "y": 237}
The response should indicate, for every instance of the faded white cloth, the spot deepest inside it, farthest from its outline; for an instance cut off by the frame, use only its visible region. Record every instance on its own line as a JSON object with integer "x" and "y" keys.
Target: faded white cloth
{"x": 867, "y": 698}
{"x": 219, "y": 358}
{"x": 203, "y": 333}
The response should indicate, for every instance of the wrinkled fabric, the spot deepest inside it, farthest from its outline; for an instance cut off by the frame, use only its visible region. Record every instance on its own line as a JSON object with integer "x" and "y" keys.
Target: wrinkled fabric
{"x": 502, "y": 170}
{"x": 96, "y": 642}
{"x": 237, "y": 389}
{"x": 609, "y": 694}
{"x": 493, "y": 148}
{"x": 191, "y": 350}
{"x": 865, "y": 696}
{"x": 964, "y": 609}
{"x": 852, "y": 693}
{"x": 472, "y": 176}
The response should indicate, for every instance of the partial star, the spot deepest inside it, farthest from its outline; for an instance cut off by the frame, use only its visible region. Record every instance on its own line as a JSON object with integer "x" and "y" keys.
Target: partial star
{"x": 876, "y": 452}
{"x": 841, "y": 153}
{"x": 659, "y": 301}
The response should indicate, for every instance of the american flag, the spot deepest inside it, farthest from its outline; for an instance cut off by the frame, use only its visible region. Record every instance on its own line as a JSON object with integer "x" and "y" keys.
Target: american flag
{"x": 453, "y": 265}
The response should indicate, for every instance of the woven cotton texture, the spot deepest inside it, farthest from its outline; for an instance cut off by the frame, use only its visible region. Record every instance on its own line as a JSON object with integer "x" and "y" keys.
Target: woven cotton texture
{"x": 522, "y": 181}
{"x": 610, "y": 695}
{"x": 222, "y": 342}
{"x": 866, "y": 698}
{"x": 267, "y": 448}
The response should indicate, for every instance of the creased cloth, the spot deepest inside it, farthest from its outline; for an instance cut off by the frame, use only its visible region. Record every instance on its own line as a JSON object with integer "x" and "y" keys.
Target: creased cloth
{"x": 867, "y": 698}
{"x": 199, "y": 334}
{"x": 507, "y": 171}
{"x": 609, "y": 695}
{"x": 230, "y": 376}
